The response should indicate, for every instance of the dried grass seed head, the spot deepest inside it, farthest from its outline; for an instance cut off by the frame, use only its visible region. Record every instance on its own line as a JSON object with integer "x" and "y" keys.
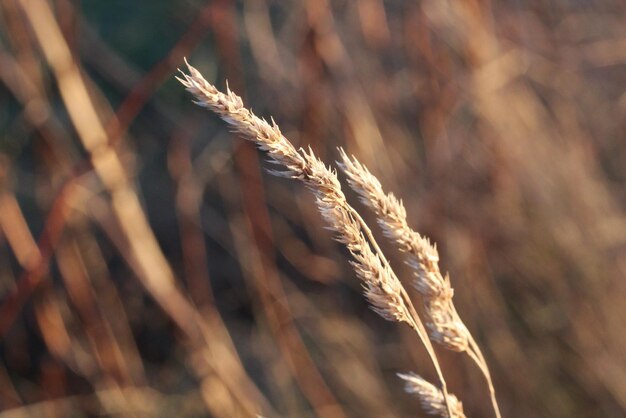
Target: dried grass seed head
{"x": 381, "y": 287}
{"x": 431, "y": 398}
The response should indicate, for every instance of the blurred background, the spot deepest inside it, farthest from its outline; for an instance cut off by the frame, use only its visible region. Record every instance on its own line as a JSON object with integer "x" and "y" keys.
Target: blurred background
{"x": 149, "y": 267}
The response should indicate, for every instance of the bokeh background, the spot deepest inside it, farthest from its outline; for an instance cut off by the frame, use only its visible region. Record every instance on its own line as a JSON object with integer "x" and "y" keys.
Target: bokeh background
{"x": 149, "y": 267}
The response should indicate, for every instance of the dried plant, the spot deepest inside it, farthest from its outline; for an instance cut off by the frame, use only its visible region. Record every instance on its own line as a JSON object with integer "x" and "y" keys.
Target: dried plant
{"x": 121, "y": 259}
{"x": 445, "y": 325}
{"x": 431, "y": 398}
{"x": 382, "y": 288}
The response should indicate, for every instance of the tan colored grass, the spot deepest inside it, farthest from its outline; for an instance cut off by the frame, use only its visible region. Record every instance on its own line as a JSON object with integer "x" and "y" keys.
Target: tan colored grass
{"x": 445, "y": 326}
{"x": 381, "y": 286}
{"x": 431, "y": 398}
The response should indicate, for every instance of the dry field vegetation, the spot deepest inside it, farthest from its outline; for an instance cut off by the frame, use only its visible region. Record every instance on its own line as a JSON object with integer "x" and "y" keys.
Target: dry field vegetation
{"x": 152, "y": 266}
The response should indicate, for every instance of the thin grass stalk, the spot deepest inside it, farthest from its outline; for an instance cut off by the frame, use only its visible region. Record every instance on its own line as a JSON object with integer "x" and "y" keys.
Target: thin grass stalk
{"x": 382, "y": 288}
{"x": 445, "y": 325}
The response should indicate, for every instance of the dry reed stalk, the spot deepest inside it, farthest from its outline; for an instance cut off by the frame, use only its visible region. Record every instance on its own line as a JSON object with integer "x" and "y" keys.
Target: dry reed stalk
{"x": 445, "y": 326}
{"x": 382, "y": 288}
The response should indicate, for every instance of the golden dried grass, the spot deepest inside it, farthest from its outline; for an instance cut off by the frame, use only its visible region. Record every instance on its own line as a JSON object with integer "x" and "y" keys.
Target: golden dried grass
{"x": 382, "y": 288}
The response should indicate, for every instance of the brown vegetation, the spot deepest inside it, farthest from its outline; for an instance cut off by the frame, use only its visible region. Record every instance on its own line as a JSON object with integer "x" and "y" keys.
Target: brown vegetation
{"x": 149, "y": 267}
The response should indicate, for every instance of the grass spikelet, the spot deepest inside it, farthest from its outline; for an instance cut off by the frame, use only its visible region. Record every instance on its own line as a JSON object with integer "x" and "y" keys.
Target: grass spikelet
{"x": 430, "y": 396}
{"x": 445, "y": 326}
{"x": 382, "y": 288}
